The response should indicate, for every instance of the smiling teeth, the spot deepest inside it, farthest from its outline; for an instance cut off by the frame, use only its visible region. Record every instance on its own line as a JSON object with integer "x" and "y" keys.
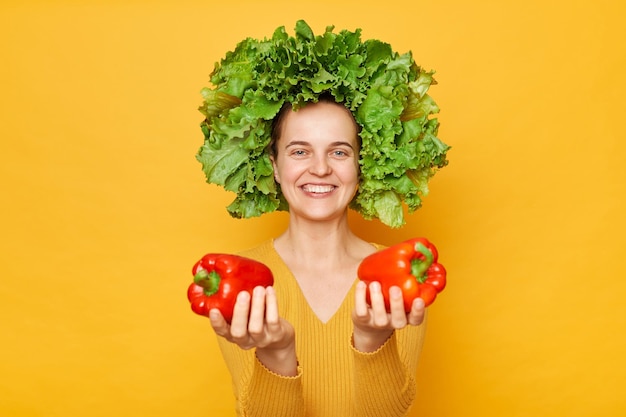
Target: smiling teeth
{"x": 318, "y": 188}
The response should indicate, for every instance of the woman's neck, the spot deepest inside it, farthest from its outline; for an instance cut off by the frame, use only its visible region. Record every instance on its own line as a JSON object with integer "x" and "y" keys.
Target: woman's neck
{"x": 314, "y": 242}
{"x": 321, "y": 245}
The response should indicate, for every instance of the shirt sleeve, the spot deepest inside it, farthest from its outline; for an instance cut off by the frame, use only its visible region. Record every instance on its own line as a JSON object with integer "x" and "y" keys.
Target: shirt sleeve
{"x": 384, "y": 380}
{"x": 259, "y": 391}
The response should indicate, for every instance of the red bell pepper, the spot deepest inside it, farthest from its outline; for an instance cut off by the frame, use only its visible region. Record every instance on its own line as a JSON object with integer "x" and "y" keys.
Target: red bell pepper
{"x": 218, "y": 278}
{"x": 411, "y": 265}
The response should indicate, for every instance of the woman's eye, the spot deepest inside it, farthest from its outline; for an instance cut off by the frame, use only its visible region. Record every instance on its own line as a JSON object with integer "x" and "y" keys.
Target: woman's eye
{"x": 340, "y": 153}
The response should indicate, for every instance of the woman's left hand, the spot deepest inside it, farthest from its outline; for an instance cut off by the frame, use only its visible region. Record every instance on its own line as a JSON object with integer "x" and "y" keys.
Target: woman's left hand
{"x": 373, "y": 325}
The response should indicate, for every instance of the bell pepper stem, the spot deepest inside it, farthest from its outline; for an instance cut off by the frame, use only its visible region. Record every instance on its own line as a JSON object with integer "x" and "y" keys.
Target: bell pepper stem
{"x": 420, "y": 266}
{"x": 210, "y": 281}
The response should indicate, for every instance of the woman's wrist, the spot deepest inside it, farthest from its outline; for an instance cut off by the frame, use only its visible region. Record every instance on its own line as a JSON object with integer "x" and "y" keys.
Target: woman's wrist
{"x": 282, "y": 361}
{"x": 368, "y": 342}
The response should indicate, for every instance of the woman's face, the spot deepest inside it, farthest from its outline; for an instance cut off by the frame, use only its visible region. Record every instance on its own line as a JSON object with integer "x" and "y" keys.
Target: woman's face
{"x": 316, "y": 161}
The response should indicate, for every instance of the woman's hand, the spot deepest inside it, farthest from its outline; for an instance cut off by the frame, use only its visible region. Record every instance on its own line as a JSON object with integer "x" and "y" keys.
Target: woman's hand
{"x": 373, "y": 325}
{"x": 257, "y": 324}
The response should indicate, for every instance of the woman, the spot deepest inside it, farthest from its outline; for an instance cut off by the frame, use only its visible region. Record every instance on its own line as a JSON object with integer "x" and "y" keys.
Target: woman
{"x": 311, "y": 345}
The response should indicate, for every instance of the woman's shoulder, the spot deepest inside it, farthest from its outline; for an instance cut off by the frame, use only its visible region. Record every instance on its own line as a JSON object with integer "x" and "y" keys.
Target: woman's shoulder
{"x": 266, "y": 253}
{"x": 378, "y": 246}
{"x": 262, "y": 250}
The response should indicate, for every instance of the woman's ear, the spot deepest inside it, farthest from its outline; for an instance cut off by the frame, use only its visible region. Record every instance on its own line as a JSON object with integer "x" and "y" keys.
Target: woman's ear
{"x": 276, "y": 176}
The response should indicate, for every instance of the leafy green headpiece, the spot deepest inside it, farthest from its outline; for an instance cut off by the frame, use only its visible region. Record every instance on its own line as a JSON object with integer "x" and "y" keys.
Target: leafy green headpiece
{"x": 385, "y": 91}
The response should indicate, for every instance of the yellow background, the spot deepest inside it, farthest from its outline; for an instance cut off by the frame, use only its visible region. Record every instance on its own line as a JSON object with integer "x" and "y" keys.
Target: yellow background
{"x": 104, "y": 209}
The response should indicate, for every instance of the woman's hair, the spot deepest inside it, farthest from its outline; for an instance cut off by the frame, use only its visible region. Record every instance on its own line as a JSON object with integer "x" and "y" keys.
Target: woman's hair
{"x": 278, "y": 121}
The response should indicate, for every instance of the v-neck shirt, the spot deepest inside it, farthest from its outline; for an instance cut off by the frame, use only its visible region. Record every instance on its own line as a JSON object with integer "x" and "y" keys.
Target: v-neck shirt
{"x": 334, "y": 379}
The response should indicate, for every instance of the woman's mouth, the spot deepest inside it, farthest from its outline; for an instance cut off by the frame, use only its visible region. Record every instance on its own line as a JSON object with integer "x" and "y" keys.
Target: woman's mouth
{"x": 317, "y": 189}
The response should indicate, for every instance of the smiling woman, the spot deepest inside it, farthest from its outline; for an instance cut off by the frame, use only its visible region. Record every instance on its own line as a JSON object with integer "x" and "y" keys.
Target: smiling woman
{"x": 300, "y": 347}
{"x": 314, "y": 344}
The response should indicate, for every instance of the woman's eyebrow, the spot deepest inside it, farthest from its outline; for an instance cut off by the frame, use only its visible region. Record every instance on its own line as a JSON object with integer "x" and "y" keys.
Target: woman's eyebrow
{"x": 297, "y": 143}
{"x": 308, "y": 144}
{"x": 342, "y": 143}
{"x": 305, "y": 143}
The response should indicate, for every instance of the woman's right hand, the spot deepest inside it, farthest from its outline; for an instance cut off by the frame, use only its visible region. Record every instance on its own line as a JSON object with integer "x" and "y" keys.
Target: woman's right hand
{"x": 257, "y": 324}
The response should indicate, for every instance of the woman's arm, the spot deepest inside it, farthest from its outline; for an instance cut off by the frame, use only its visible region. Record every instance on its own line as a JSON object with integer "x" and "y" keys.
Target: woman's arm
{"x": 384, "y": 371}
{"x": 272, "y": 372}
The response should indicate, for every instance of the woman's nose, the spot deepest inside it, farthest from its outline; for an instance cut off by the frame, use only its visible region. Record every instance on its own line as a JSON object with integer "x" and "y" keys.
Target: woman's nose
{"x": 320, "y": 166}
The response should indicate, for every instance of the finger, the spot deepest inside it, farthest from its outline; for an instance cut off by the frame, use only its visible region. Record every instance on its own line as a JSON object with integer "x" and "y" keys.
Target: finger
{"x": 398, "y": 314}
{"x": 360, "y": 302}
{"x": 218, "y": 322}
{"x": 378, "y": 305}
{"x": 256, "y": 323}
{"x": 417, "y": 313}
{"x": 239, "y": 323}
{"x": 271, "y": 306}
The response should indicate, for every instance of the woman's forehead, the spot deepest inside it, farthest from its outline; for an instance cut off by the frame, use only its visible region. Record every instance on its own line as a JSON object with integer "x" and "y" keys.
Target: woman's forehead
{"x": 321, "y": 117}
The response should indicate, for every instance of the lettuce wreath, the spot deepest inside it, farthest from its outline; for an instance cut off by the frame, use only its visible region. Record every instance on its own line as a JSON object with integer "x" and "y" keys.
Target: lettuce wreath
{"x": 385, "y": 91}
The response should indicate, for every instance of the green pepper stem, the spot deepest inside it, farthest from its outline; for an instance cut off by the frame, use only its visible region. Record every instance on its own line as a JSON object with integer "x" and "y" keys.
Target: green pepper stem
{"x": 419, "y": 266}
{"x": 210, "y": 281}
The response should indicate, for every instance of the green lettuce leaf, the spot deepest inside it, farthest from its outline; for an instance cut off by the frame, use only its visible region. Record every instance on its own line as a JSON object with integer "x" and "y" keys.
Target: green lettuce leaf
{"x": 386, "y": 92}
